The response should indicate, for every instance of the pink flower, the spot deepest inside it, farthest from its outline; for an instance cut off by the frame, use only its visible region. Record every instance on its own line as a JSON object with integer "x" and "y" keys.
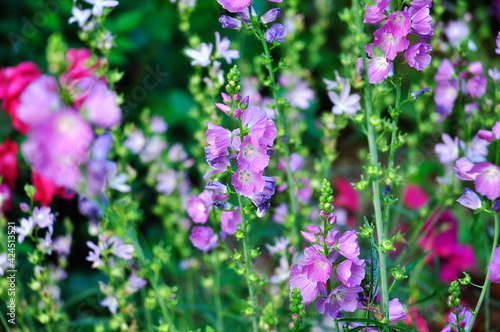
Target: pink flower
{"x": 375, "y": 14}
{"x": 101, "y": 106}
{"x": 421, "y": 22}
{"x": 398, "y": 24}
{"x": 494, "y": 267}
{"x": 487, "y": 181}
{"x": 340, "y": 299}
{"x": 78, "y": 65}
{"x": 252, "y": 156}
{"x": 462, "y": 169}
{"x": 396, "y": 311}
{"x": 39, "y": 100}
{"x": 476, "y": 86}
{"x": 348, "y": 245}
{"x": 378, "y": 69}
{"x": 229, "y": 221}
{"x": 8, "y": 162}
{"x": 234, "y": 6}
{"x": 58, "y": 146}
{"x": 351, "y": 272}
{"x": 446, "y": 93}
{"x": 247, "y": 183}
{"x": 198, "y": 207}
{"x": 445, "y": 71}
{"x": 203, "y": 238}
{"x": 46, "y": 189}
{"x": 259, "y": 125}
{"x": 13, "y": 81}
{"x": 414, "y": 197}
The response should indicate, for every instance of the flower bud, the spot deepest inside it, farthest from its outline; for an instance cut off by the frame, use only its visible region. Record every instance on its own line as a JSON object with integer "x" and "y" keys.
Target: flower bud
{"x": 270, "y": 15}
{"x": 229, "y": 22}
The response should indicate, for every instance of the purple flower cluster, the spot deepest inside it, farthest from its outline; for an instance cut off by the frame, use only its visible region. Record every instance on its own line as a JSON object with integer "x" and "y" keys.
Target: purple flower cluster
{"x": 390, "y": 39}
{"x": 315, "y": 271}
{"x": 275, "y": 33}
{"x": 486, "y": 176}
{"x": 472, "y": 80}
{"x": 104, "y": 246}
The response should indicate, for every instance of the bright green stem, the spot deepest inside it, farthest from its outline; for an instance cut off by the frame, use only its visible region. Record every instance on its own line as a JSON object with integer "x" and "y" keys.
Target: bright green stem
{"x": 375, "y": 181}
{"x": 274, "y": 88}
{"x": 486, "y": 284}
{"x": 218, "y": 302}
{"x": 246, "y": 257}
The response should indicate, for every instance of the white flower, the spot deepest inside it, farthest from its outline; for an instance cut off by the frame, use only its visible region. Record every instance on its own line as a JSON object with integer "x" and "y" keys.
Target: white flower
{"x": 201, "y": 55}
{"x": 345, "y": 103}
{"x": 98, "y": 5}
{"x": 222, "y": 47}
{"x": 79, "y": 15}
{"x": 27, "y": 226}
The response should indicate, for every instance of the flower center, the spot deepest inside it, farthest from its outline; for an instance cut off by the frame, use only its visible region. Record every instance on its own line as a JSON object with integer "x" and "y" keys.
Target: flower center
{"x": 245, "y": 176}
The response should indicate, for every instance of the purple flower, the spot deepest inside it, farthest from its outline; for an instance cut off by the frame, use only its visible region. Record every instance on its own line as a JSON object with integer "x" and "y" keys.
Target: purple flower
{"x": 217, "y": 187}
{"x": 203, "y": 238}
{"x": 490, "y": 135}
{"x": 296, "y": 163}
{"x": 345, "y": 103}
{"x": 388, "y": 43}
{"x": 448, "y": 150}
{"x": 396, "y": 311}
{"x": 120, "y": 249}
{"x": 348, "y": 245}
{"x": 94, "y": 255}
{"x": 270, "y": 16}
{"x": 262, "y": 199}
{"x": 153, "y": 149}
{"x": 247, "y": 183}
{"x": 26, "y": 228}
{"x": 476, "y": 68}
{"x": 378, "y": 68}
{"x": 340, "y": 299}
{"x": 259, "y": 125}
{"x": 456, "y": 31}
{"x": 219, "y": 139}
{"x": 43, "y": 217}
{"x": 229, "y": 22}
{"x": 158, "y": 125}
{"x": 494, "y": 267}
{"x": 167, "y": 182}
{"x": 470, "y": 199}
{"x": 276, "y": 33}
{"x": 445, "y": 71}
{"x": 398, "y": 24}
{"x": 497, "y": 50}
{"x": 101, "y": 106}
{"x": 280, "y": 213}
{"x": 111, "y": 302}
{"x": 222, "y": 47}
{"x": 421, "y": 22}
{"x": 446, "y": 93}
{"x": 62, "y": 245}
{"x": 417, "y": 55}
{"x": 417, "y": 4}
{"x": 134, "y": 283}
{"x": 135, "y": 141}
{"x": 477, "y": 149}
{"x": 476, "y": 86}
{"x": 487, "y": 181}
{"x": 462, "y": 169}
{"x": 229, "y": 220}
{"x": 465, "y": 319}
{"x": 351, "y": 272}
{"x": 494, "y": 73}
{"x": 375, "y": 14}
{"x": 198, "y": 207}
{"x": 218, "y": 164}
{"x": 234, "y": 6}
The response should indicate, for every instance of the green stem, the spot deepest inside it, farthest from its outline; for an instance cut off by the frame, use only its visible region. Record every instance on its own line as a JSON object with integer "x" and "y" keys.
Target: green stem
{"x": 281, "y": 116}
{"x": 247, "y": 265}
{"x": 218, "y": 302}
{"x": 375, "y": 181}
{"x": 486, "y": 280}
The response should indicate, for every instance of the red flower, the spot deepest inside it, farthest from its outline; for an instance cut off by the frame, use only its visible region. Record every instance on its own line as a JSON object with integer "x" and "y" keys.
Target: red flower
{"x": 8, "y": 162}
{"x": 46, "y": 189}
{"x": 347, "y": 196}
{"x": 13, "y": 81}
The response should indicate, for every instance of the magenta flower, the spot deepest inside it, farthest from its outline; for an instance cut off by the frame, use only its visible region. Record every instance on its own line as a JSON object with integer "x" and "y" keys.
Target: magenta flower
{"x": 340, "y": 299}
{"x": 378, "y": 68}
{"x": 296, "y": 162}
{"x": 464, "y": 321}
{"x": 252, "y": 156}
{"x": 203, "y": 238}
{"x": 234, "y": 6}
{"x": 198, "y": 207}
{"x": 389, "y": 44}
{"x": 375, "y": 14}
{"x": 476, "y": 86}
{"x": 417, "y": 56}
{"x": 497, "y": 50}
{"x": 259, "y": 125}
{"x": 348, "y": 245}
{"x": 421, "y": 22}
{"x": 229, "y": 221}
{"x": 219, "y": 139}
{"x": 247, "y": 183}
{"x": 351, "y": 272}
{"x": 398, "y": 24}
{"x": 494, "y": 267}
{"x": 101, "y": 107}
{"x": 487, "y": 181}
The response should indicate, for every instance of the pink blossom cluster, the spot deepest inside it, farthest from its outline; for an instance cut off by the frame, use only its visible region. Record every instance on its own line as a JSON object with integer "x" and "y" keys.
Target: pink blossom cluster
{"x": 58, "y": 116}
{"x": 391, "y": 38}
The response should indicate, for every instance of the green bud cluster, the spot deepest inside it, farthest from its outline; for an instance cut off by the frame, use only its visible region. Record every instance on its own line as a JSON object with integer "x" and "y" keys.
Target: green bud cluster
{"x": 234, "y": 78}
{"x": 326, "y": 199}
{"x": 454, "y": 298}
{"x": 297, "y": 307}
